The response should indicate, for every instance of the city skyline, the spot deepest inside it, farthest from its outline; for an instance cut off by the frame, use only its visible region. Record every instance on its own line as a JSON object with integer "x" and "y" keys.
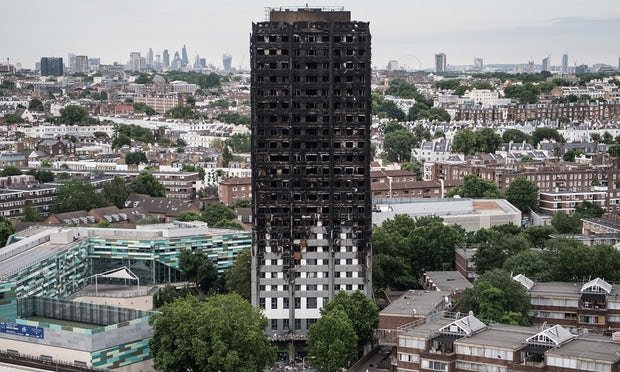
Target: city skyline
{"x": 510, "y": 33}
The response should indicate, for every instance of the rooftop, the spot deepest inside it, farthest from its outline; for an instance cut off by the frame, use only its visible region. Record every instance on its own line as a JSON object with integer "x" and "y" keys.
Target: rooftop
{"x": 417, "y": 303}
{"x": 589, "y": 347}
{"x": 448, "y": 280}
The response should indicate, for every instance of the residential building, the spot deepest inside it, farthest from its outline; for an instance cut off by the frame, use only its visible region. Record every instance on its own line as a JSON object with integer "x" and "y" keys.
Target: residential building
{"x": 546, "y": 64}
{"x": 440, "y": 62}
{"x": 51, "y": 66}
{"x": 551, "y": 202}
{"x": 81, "y": 65}
{"x": 565, "y": 63}
{"x": 53, "y": 147}
{"x": 310, "y": 164}
{"x": 160, "y": 102}
{"x": 227, "y": 62}
{"x": 454, "y": 343}
{"x": 183, "y": 87}
{"x": 160, "y": 208}
{"x": 233, "y": 189}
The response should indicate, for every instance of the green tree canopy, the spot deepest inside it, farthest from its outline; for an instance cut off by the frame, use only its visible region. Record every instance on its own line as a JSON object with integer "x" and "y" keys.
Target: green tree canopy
{"x": 496, "y": 247}
{"x": 547, "y": 133}
{"x": 404, "y": 248}
{"x": 588, "y": 209}
{"x": 194, "y": 168}
{"x": 116, "y": 192}
{"x": 515, "y": 136}
{"x": 238, "y": 277}
{"x": 181, "y": 112}
{"x": 136, "y": 157}
{"x": 332, "y": 341}
{"x": 397, "y": 146}
{"x": 239, "y": 142}
{"x": 530, "y": 263}
{"x": 10, "y": 171}
{"x": 469, "y": 142}
{"x": 214, "y": 212}
{"x": 566, "y": 224}
{"x": 74, "y": 114}
{"x": 6, "y": 230}
{"x": 475, "y": 187}
{"x": 221, "y": 333}
{"x": 143, "y": 107}
{"x": 35, "y": 104}
{"x": 77, "y": 195}
{"x": 523, "y": 194}
{"x": 145, "y": 183}
{"x": 495, "y": 296}
{"x": 538, "y": 235}
{"x": 361, "y": 311}
{"x": 198, "y": 269}
{"x": 121, "y": 140}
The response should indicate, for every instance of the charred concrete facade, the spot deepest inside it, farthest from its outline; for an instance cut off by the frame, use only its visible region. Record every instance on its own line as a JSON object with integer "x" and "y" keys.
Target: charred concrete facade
{"x": 311, "y": 107}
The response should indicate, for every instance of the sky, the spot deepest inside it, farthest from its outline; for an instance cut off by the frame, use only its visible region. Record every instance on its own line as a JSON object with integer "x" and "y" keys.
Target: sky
{"x": 409, "y": 31}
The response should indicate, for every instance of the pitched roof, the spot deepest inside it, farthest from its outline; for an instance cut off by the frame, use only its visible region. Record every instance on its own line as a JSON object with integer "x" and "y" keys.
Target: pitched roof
{"x": 597, "y": 285}
{"x": 554, "y": 336}
{"x": 465, "y": 326}
{"x": 524, "y": 280}
{"x": 165, "y": 206}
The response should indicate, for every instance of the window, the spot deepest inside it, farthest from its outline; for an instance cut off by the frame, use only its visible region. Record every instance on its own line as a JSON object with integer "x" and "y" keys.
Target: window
{"x": 311, "y": 303}
{"x": 261, "y": 303}
{"x": 298, "y": 324}
{"x": 274, "y": 324}
{"x": 274, "y": 303}
{"x": 285, "y": 324}
{"x": 285, "y": 303}
{"x": 297, "y": 303}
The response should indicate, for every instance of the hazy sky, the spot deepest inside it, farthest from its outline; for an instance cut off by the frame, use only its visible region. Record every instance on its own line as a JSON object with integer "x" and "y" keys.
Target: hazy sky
{"x": 410, "y": 31}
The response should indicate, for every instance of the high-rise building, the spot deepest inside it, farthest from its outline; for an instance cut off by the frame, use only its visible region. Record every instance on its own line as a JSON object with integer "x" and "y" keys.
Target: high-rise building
{"x": 392, "y": 65}
{"x": 136, "y": 62}
{"x": 227, "y": 61}
{"x": 166, "y": 58}
{"x": 93, "y": 63}
{"x": 51, "y": 66}
{"x": 81, "y": 65}
{"x": 311, "y": 102}
{"x": 184, "y": 58}
{"x": 177, "y": 62}
{"x": 565, "y": 63}
{"x": 71, "y": 61}
{"x": 478, "y": 63}
{"x": 440, "y": 62}
{"x": 149, "y": 58}
{"x": 546, "y": 63}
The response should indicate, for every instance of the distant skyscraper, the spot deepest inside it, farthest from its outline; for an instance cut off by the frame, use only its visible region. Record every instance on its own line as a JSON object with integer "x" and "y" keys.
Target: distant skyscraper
{"x": 581, "y": 69}
{"x": 71, "y": 62}
{"x": 177, "y": 62}
{"x": 81, "y": 64}
{"x": 149, "y": 58}
{"x": 440, "y": 62}
{"x": 184, "y": 59}
{"x": 94, "y": 62}
{"x": 157, "y": 61}
{"x": 51, "y": 66}
{"x": 134, "y": 61}
{"x": 546, "y": 63}
{"x": 392, "y": 65}
{"x": 227, "y": 61}
{"x": 478, "y": 63}
{"x": 310, "y": 165}
{"x": 166, "y": 58}
{"x": 565, "y": 63}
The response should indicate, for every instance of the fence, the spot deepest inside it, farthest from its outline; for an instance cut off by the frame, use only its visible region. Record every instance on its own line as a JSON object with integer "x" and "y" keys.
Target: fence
{"x": 79, "y": 312}
{"x": 50, "y": 365}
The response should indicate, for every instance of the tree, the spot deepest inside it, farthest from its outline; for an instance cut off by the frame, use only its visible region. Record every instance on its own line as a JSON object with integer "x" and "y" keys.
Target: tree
{"x": 397, "y": 146}
{"x": 588, "y": 209}
{"x": 523, "y": 194}
{"x": 487, "y": 140}
{"x": 568, "y": 259}
{"x": 181, "y": 112}
{"x": 77, "y": 195}
{"x": 198, "y": 269}
{"x": 495, "y": 296}
{"x": 188, "y": 216}
{"x": 121, "y": 140}
{"x": 415, "y": 167}
{"x": 74, "y": 114}
{"x": 239, "y": 142}
{"x": 464, "y": 142}
{"x": 435, "y": 114}
{"x": 35, "y": 104}
{"x": 361, "y": 311}
{"x": 116, "y": 192}
{"x": 530, "y": 263}
{"x": 100, "y": 135}
{"x": 332, "y": 341}
{"x": 6, "y": 230}
{"x": 404, "y": 248}
{"x": 227, "y": 156}
{"x": 238, "y": 277}
{"x": 547, "y": 133}
{"x": 214, "y": 212}
{"x": 14, "y": 119}
{"x": 143, "y": 107}
{"x": 221, "y": 333}
{"x": 228, "y": 224}
{"x": 145, "y": 183}
{"x": 42, "y": 176}
{"x": 475, "y": 187}
{"x": 194, "y": 168}
{"x": 565, "y": 224}
{"x": 136, "y": 157}
{"x": 614, "y": 150}
{"x": 496, "y": 248}
{"x": 571, "y": 154}
{"x": 10, "y": 171}
{"x": 31, "y": 214}
{"x": 515, "y": 136}
{"x": 538, "y": 235}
